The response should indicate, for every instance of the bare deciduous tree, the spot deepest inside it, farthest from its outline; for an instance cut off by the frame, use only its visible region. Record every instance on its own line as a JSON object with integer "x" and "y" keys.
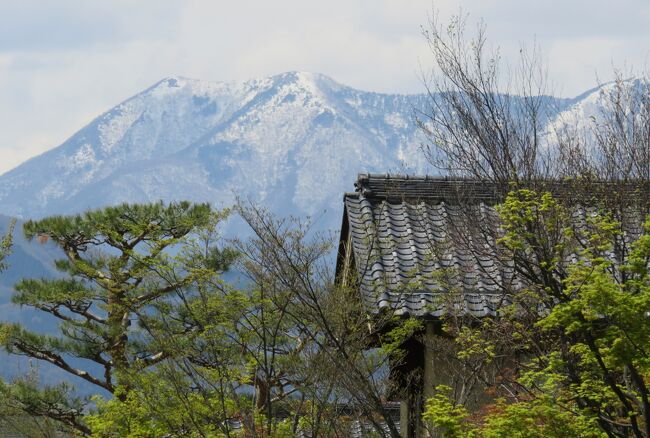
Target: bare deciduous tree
{"x": 500, "y": 127}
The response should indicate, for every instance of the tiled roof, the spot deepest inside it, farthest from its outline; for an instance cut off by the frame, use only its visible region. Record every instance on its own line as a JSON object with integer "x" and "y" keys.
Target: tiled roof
{"x": 398, "y": 187}
{"x": 416, "y": 251}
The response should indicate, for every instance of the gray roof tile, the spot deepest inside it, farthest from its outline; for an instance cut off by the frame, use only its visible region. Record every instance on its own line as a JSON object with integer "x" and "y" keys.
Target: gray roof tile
{"x": 398, "y": 244}
{"x": 411, "y": 247}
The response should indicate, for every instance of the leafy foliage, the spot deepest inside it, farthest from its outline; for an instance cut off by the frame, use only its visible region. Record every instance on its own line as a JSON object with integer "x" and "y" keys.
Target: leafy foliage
{"x": 576, "y": 332}
{"x": 120, "y": 270}
{"x": 5, "y": 245}
{"x": 183, "y": 353}
{"x": 540, "y": 417}
{"x": 444, "y": 417}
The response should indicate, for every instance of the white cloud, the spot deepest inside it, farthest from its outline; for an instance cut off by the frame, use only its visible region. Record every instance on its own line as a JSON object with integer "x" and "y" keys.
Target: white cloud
{"x": 63, "y": 63}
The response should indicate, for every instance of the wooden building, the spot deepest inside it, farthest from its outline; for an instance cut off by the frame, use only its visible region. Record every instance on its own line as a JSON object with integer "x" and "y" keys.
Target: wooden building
{"x": 426, "y": 247}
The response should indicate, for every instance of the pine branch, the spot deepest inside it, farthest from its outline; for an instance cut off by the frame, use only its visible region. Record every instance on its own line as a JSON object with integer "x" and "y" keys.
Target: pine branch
{"x": 57, "y": 360}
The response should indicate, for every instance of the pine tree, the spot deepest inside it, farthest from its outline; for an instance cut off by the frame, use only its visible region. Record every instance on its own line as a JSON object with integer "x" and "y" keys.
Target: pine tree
{"x": 120, "y": 262}
{"x": 5, "y": 245}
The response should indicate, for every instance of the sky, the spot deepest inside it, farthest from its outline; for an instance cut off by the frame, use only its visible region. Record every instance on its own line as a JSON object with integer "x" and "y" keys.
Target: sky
{"x": 64, "y": 62}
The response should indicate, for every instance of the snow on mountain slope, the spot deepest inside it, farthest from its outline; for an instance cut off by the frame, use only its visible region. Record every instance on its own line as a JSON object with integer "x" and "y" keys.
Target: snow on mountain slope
{"x": 294, "y": 142}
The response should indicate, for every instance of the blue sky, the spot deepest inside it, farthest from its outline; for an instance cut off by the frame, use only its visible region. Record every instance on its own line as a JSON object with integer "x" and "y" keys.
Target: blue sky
{"x": 64, "y": 62}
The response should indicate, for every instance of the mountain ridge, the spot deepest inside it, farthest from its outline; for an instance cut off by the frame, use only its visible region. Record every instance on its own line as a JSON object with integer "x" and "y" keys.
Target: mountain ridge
{"x": 293, "y": 141}
{"x": 204, "y": 134}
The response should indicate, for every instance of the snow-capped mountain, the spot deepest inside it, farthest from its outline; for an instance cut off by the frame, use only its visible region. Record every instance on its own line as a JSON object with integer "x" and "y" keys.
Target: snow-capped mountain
{"x": 293, "y": 142}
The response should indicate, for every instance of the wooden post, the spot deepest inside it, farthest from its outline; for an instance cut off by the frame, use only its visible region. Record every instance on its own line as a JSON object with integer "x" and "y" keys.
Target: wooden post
{"x": 411, "y": 413}
{"x": 408, "y": 376}
{"x": 416, "y": 375}
{"x": 404, "y": 420}
{"x": 431, "y": 373}
{"x": 430, "y": 378}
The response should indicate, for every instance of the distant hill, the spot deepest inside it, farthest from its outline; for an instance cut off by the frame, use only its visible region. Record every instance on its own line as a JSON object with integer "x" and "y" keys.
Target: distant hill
{"x": 27, "y": 259}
